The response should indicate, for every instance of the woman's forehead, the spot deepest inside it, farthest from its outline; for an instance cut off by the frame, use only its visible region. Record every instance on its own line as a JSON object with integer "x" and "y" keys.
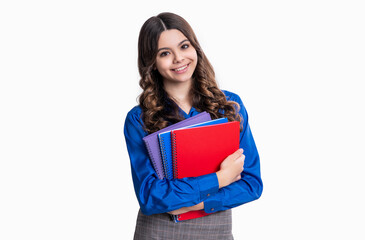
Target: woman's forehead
{"x": 171, "y": 38}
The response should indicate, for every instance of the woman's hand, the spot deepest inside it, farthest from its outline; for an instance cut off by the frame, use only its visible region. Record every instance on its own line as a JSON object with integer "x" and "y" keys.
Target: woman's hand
{"x": 231, "y": 168}
{"x": 179, "y": 211}
{"x": 182, "y": 210}
{"x": 230, "y": 171}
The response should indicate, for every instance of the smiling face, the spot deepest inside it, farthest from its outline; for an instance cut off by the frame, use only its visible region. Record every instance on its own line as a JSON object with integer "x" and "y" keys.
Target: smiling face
{"x": 176, "y": 57}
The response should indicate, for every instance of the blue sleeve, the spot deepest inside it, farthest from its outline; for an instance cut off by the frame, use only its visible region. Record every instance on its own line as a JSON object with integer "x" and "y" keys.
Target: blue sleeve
{"x": 155, "y": 195}
{"x": 250, "y": 186}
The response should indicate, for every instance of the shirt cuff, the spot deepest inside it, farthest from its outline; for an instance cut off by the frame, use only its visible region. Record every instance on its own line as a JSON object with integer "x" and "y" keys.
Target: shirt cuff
{"x": 212, "y": 205}
{"x": 208, "y": 185}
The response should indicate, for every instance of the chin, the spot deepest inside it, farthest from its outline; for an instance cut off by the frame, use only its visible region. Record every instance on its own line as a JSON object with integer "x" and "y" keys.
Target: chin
{"x": 186, "y": 79}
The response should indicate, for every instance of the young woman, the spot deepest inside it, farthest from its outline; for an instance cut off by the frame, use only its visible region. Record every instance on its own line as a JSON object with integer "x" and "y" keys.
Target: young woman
{"x": 178, "y": 82}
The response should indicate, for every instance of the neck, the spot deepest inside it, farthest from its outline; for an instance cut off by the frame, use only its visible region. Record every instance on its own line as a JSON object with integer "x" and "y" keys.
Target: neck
{"x": 180, "y": 93}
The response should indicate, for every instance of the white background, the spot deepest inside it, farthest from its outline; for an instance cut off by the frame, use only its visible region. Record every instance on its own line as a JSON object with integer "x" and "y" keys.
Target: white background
{"x": 69, "y": 76}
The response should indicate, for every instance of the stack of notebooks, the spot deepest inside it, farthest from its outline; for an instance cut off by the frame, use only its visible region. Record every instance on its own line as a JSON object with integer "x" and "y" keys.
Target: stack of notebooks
{"x": 193, "y": 147}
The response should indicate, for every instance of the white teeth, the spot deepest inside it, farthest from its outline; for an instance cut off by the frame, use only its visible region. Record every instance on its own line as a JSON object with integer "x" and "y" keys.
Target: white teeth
{"x": 182, "y": 68}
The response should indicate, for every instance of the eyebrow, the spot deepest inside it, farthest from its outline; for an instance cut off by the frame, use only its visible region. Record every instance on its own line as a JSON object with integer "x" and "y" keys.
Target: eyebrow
{"x": 165, "y": 48}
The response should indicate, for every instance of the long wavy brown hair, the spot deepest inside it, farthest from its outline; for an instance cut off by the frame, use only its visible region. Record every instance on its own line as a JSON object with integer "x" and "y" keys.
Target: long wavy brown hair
{"x": 158, "y": 109}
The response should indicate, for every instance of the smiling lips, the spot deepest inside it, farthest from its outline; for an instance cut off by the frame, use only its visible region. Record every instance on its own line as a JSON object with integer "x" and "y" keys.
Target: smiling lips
{"x": 181, "y": 69}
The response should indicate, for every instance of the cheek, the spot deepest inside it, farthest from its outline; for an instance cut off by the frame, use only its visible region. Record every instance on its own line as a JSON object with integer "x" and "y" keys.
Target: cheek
{"x": 193, "y": 55}
{"x": 162, "y": 65}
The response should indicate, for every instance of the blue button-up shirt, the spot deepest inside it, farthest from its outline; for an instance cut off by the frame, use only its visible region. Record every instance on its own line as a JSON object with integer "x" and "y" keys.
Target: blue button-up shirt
{"x": 159, "y": 196}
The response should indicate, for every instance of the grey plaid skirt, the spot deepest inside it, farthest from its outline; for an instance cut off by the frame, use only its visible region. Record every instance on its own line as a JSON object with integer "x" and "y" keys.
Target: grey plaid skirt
{"x": 160, "y": 227}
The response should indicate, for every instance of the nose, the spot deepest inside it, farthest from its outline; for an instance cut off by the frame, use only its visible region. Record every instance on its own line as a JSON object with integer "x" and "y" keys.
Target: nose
{"x": 178, "y": 57}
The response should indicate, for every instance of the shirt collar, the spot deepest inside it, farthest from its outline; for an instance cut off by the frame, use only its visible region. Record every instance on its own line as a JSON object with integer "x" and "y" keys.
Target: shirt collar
{"x": 191, "y": 113}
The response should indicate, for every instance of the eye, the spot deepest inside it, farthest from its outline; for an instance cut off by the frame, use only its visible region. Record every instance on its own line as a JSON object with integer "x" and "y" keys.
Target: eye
{"x": 185, "y": 46}
{"x": 164, "y": 54}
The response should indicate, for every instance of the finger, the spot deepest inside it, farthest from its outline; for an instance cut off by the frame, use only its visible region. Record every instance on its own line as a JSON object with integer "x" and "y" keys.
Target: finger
{"x": 241, "y": 158}
{"x": 237, "y": 153}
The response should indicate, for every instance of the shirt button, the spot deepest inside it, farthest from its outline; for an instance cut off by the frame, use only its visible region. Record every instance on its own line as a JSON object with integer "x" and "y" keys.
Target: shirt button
{"x": 212, "y": 209}
{"x": 208, "y": 195}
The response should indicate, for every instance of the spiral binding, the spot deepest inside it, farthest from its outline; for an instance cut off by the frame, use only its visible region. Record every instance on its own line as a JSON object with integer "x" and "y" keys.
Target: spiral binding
{"x": 173, "y": 218}
{"x": 153, "y": 160}
{"x": 174, "y": 154}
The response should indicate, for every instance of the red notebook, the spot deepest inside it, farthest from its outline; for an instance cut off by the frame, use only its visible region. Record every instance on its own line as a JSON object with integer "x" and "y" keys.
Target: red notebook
{"x": 199, "y": 151}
